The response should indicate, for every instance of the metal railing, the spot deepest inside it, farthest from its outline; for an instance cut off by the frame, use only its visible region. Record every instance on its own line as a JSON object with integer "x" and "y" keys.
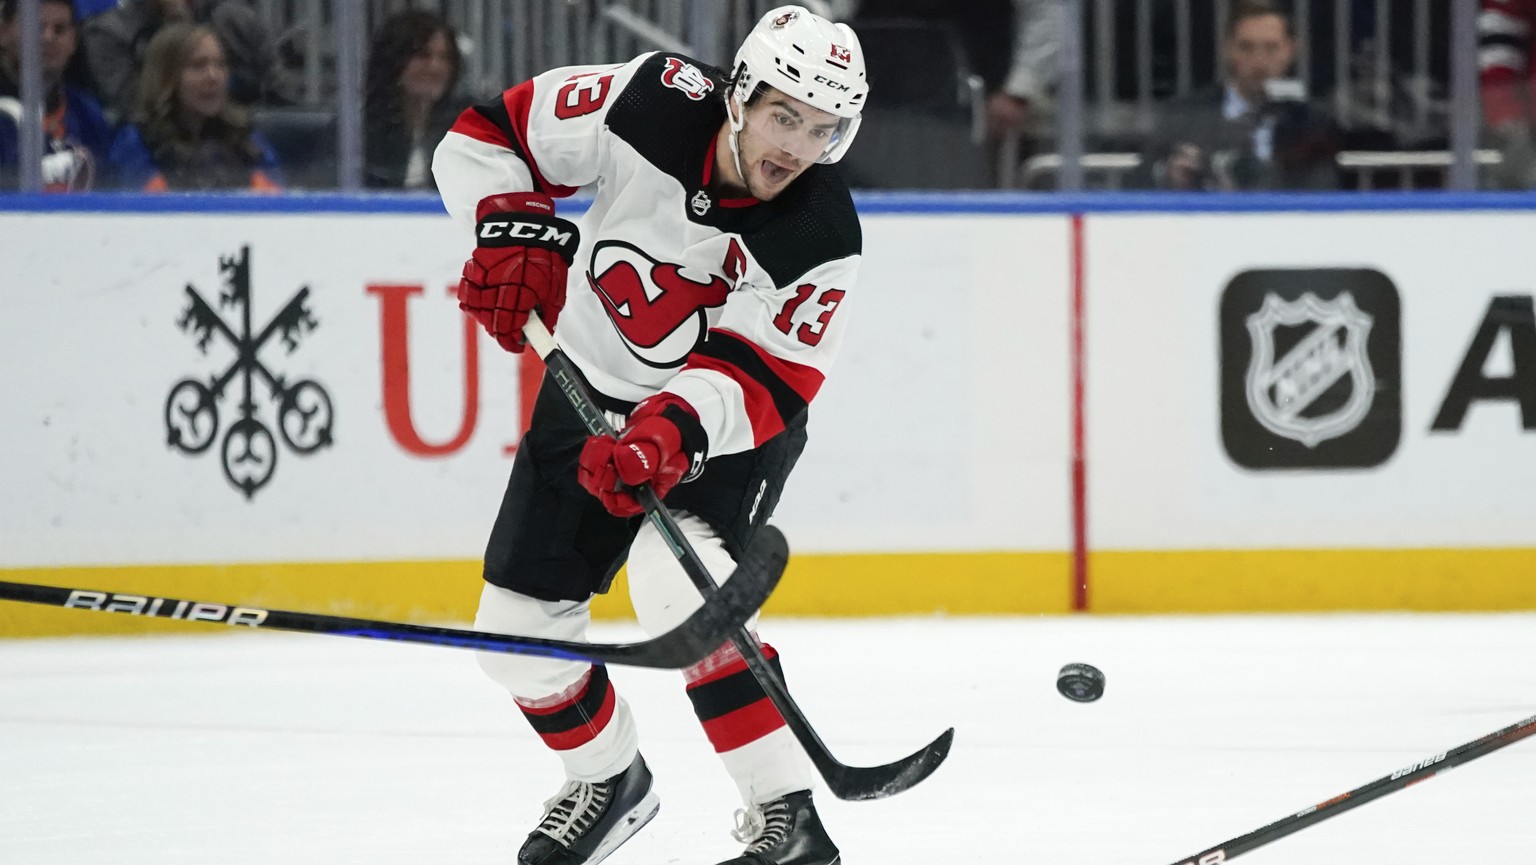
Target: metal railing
{"x": 1099, "y": 170}
{"x": 1376, "y": 58}
{"x": 1370, "y": 169}
{"x": 1377, "y": 63}
{"x": 507, "y": 41}
{"x": 1409, "y": 166}
{"x": 1384, "y": 52}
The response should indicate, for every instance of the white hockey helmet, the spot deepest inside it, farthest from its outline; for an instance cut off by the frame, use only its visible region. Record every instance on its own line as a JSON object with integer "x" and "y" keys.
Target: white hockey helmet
{"x": 808, "y": 58}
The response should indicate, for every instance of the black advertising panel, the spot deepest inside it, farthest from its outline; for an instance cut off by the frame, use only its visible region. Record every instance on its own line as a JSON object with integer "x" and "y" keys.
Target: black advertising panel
{"x": 1311, "y": 369}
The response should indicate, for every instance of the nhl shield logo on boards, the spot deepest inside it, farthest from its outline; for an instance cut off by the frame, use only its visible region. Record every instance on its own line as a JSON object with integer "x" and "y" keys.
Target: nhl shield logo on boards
{"x": 1282, "y": 389}
{"x": 1311, "y": 369}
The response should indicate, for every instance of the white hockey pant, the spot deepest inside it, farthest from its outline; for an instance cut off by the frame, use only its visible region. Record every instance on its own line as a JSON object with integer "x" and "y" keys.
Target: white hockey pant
{"x": 764, "y": 768}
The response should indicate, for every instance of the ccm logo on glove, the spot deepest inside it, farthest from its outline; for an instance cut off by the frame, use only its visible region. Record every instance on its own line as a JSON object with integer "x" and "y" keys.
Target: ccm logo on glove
{"x": 550, "y": 235}
{"x": 662, "y": 445}
{"x": 645, "y": 464}
{"x": 519, "y": 265}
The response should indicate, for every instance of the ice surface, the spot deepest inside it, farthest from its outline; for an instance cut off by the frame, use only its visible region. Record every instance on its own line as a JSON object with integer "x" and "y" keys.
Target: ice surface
{"x": 280, "y": 749}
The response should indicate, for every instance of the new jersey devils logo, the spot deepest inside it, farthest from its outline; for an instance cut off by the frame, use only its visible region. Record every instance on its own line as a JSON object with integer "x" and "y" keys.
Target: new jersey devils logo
{"x": 661, "y": 313}
{"x": 687, "y": 78}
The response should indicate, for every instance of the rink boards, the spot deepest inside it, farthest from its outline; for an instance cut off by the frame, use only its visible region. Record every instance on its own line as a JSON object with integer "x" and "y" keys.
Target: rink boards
{"x": 1279, "y": 404}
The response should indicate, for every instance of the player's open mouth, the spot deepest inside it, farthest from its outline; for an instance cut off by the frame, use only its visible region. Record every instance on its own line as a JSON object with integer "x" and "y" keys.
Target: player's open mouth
{"x": 775, "y": 174}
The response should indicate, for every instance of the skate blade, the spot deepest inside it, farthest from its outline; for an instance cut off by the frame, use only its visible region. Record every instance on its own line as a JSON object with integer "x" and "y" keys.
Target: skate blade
{"x": 632, "y": 822}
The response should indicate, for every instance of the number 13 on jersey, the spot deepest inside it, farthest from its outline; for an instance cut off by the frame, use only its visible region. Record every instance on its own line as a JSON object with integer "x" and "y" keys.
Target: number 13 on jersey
{"x": 582, "y": 94}
{"x": 809, "y": 333}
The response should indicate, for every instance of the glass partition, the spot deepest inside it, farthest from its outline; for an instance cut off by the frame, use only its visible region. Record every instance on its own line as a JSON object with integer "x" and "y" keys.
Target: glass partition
{"x": 1259, "y": 95}
{"x": 1219, "y": 95}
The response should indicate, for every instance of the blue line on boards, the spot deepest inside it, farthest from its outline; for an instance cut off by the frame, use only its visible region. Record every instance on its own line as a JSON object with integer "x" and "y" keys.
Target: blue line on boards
{"x": 977, "y": 202}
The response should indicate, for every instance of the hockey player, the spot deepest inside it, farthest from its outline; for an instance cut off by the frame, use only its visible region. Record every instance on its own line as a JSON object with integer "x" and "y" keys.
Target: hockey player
{"x": 702, "y": 297}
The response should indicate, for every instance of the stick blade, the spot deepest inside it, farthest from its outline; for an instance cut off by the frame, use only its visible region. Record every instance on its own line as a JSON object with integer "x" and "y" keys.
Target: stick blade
{"x": 729, "y": 609}
{"x": 858, "y": 783}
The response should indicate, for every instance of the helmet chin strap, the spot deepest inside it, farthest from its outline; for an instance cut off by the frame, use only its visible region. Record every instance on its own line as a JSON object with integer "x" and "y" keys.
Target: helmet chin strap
{"x": 736, "y": 124}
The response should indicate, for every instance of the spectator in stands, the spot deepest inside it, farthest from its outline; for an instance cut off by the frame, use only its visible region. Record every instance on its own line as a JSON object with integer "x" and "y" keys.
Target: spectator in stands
{"x": 1011, "y": 45}
{"x": 1507, "y": 33}
{"x": 76, "y": 136}
{"x": 1256, "y": 130}
{"x": 413, "y": 69}
{"x": 188, "y": 134}
{"x": 116, "y": 42}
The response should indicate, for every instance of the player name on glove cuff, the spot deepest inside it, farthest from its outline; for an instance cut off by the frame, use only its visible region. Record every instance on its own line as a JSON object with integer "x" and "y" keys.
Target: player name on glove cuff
{"x": 525, "y": 219}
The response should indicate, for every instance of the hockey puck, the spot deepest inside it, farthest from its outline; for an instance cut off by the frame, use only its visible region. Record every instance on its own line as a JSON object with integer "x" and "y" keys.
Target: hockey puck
{"x": 1083, "y": 683}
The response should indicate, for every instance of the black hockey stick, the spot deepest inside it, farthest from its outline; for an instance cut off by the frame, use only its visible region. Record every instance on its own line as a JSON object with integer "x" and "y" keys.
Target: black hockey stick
{"x": 700, "y": 634}
{"x": 845, "y": 782}
{"x": 1420, "y": 771}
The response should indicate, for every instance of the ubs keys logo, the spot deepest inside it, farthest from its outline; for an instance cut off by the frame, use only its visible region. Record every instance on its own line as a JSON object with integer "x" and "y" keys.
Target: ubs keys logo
{"x": 1311, "y": 369}
{"x": 303, "y": 407}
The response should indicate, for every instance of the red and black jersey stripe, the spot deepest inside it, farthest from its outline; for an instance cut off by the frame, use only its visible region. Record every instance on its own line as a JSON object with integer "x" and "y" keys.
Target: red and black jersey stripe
{"x": 575, "y": 721}
{"x": 774, "y": 390}
{"x": 504, "y": 123}
{"x": 733, "y": 707}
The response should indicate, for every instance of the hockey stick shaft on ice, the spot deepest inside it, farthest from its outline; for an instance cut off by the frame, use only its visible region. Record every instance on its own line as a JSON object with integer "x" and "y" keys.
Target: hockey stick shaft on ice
{"x": 1420, "y": 771}
{"x": 687, "y": 644}
{"x": 845, "y": 782}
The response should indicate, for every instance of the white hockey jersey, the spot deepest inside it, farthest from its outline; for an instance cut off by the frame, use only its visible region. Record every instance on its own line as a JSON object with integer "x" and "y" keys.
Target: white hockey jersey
{"x": 734, "y": 305}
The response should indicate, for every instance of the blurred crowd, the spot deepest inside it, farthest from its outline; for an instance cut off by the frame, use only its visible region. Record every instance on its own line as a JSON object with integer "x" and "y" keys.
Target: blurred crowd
{"x": 1255, "y": 128}
{"x": 1222, "y": 95}
{"x": 154, "y": 95}
{"x": 161, "y": 95}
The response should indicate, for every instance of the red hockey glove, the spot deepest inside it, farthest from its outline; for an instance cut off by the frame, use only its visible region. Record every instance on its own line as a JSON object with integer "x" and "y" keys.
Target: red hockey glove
{"x": 661, "y": 445}
{"x": 518, "y": 266}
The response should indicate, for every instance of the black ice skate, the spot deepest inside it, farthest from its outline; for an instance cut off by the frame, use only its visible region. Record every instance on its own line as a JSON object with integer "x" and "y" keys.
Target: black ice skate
{"x": 785, "y": 831}
{"x": 585, "y": 822}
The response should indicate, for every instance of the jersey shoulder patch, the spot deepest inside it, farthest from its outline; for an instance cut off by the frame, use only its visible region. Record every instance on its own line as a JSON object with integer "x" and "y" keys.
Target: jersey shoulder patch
{"x": 811, "y": 223}
{"x": 672, "y": 101}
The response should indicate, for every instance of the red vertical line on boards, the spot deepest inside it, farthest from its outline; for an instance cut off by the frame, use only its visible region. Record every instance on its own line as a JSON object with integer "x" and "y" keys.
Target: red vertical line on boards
{"x": 530, "y": 375}
{"x": 1079, "y": 467}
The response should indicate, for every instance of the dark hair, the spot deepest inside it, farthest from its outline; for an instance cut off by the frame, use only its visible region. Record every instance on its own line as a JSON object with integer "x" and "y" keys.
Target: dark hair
{"x": 9, "y": 8}
{"x": 160, "y": 117}
{"x": 401, "y": 37}
{"x": 1242, "y": 10}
